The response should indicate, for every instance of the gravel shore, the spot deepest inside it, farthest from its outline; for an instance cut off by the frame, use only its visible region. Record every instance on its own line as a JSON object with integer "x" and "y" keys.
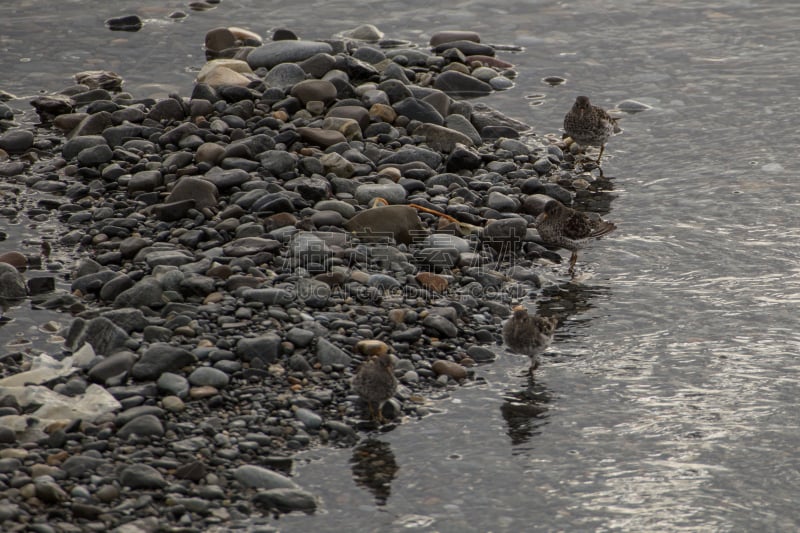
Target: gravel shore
{"x": 234, "y": 255}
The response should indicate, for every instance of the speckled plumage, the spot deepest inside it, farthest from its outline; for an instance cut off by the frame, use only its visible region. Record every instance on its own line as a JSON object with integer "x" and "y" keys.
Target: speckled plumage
{"x": 375, "y": 383}
{"x": 589, "y": 125}
{"x": 529, "y": 334}
{"x": 562, "y": 226}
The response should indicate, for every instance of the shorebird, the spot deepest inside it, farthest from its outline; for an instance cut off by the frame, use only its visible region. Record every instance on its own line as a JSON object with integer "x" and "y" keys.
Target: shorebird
{"x": 562, "y": 226}
{"x": 589, "y": 125}
{"x": 529, "y": 334}
{"x": 375, "y": 383}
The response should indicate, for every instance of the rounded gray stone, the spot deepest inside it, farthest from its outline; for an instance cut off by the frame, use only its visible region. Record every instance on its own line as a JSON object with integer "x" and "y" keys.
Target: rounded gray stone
{"x": 142, "y": 476}
{"x": 208, "y": 376}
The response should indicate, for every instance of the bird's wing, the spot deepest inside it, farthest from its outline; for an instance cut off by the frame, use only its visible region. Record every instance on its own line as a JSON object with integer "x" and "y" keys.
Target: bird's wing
{"x": 578, "y": 226}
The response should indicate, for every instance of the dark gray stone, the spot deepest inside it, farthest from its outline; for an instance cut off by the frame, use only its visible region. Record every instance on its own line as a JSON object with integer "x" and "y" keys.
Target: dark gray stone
{"x": 160, "y": 358}
{"x": 142, "y": 476}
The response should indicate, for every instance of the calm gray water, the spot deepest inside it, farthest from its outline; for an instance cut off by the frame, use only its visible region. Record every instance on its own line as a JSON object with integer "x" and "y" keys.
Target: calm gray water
{"x": 668, "y": 402}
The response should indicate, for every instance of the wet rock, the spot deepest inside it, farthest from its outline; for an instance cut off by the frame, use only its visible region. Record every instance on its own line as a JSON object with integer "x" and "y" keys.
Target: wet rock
{"x": 285, "y": 51}
{"x": 78, "y": 466}
{"x": 269, "y": 296}
{"x": 93, "y": 124}
{"x": 15, "y": 259}
{"x": 309, "y": 418}
{"x": 285, "y": 500}
{"x": 408, "y": 154}
{"x": 142, "y": 476}
{"x": 250, "y": 246}
{"x": 208, "y": 376}
{"x": 148, "y": 292}
{"x": 449, "y": 36}
{"x": 460, "y": 85}
{"x": 219, "y": 39}
{"x": 16, "y": 141}
{"x": 194, "y": 471}
{"x": 12, "y": 283}
{"x": 100, "y": 332}
{"x": 481, "y": 354}
{"x": 320, "y": 137}
{"x": 264, "y": 347}
{"x": 285, "y": 75}
{"x": 144, "y": 181}
{"x": 94, "y": 156}
{"x": 418, "y": 110}
{"x": 401, "y": 222}
{"x": 74, "y": 146}
{"x": 174, "y": 384}
{"x": 633, "y": 106}
{"x": 49, "y": 492}
{"x": 160, "y": 358}
{"x": 330, "y": 354}
{"x": 442, "y": 139}
{"x": 393, "y": 193}
{"x": 113, "y": 368}
{"x": 314, "y": 90}
{"x": 124, "y": 23}
{"x": 440, "y": 325}
{"x": 258, "y": 477}
{"x": 143, "y": 426}
{"x": 449, "y": 368}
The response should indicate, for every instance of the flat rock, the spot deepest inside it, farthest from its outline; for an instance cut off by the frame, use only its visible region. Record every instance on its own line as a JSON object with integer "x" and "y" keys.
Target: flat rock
{"x": 160, "y": 358}
{"x": 276, "y": 52}
{"x": 258, "y": 477}
{"x": 142, "y": 476}
{"x": 285, "y": 500}
{"x": 400, "y": 222}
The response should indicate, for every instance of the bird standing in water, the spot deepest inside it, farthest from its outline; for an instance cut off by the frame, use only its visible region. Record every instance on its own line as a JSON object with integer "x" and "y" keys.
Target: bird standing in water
{"x": 562, "y": 226}
{"x": 589, "y": 125}
{"x": 375, "y": 383}
{"x": 529, "y": 334}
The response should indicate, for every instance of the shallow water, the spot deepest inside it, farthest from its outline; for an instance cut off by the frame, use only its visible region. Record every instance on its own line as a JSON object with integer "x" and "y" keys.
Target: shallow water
{"x": 667, "y": 401}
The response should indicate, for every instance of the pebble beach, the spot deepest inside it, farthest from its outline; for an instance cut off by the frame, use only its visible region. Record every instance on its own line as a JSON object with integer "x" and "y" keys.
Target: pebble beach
{"x": 226, "y": 260}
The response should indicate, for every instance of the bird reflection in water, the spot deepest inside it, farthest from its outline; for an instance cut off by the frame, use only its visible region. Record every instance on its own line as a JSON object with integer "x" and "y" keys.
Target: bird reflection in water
{"x": 525, "y": 413}
{"x": 374, "y": 468}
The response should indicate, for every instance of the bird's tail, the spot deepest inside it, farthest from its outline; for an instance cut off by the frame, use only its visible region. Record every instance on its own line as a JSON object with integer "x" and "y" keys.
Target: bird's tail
{"x": 604, "y": 227}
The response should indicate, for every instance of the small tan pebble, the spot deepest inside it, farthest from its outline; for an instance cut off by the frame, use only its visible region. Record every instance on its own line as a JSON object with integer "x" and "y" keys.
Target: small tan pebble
{"x": 371, "y": 347}
{"x": 431, "y": 281}
{"x": 397, "y": 316}
{"x": 449, "y": 368}
{"x": 173, "y": 404}
{"x": 206, "y": 391}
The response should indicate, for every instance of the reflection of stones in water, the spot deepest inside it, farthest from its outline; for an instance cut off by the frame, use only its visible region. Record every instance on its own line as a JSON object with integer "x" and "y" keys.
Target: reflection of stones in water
{"x": 596, "y": 202}
{"x": 374, "y": 468}
{"x": 568, "y": 299}
{"x": 525, "y": 412}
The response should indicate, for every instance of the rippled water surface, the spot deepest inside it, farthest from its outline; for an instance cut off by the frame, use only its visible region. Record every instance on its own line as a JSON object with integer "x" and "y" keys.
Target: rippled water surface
{"x": 668, "y": 400}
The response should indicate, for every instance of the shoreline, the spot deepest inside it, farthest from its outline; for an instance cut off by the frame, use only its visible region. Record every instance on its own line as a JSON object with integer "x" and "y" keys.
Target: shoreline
{"x": 226, "y": 280}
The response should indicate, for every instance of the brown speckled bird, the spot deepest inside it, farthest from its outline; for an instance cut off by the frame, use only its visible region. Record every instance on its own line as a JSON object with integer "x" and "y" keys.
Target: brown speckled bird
{"x": 529, "y": 334}
{"x": 562, "y": 226}
{"x": 589, "y": 125}
{"x": 375, "y": 383}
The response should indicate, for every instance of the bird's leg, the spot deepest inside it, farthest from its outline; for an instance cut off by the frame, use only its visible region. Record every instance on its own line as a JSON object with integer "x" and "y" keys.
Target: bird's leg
{"x": 602, "y": 147}
{"x": 381, "y": 419}
{"x": 371, "y": 411}
{"x": 572, "y": 260}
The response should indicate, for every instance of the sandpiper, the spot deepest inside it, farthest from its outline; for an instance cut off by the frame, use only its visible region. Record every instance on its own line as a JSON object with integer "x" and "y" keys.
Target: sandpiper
{"x": 562, "y": 226}
{"x": 589, "y": 125}
{"x": 529, "y": 334}
{"x": 375, "y": 383}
